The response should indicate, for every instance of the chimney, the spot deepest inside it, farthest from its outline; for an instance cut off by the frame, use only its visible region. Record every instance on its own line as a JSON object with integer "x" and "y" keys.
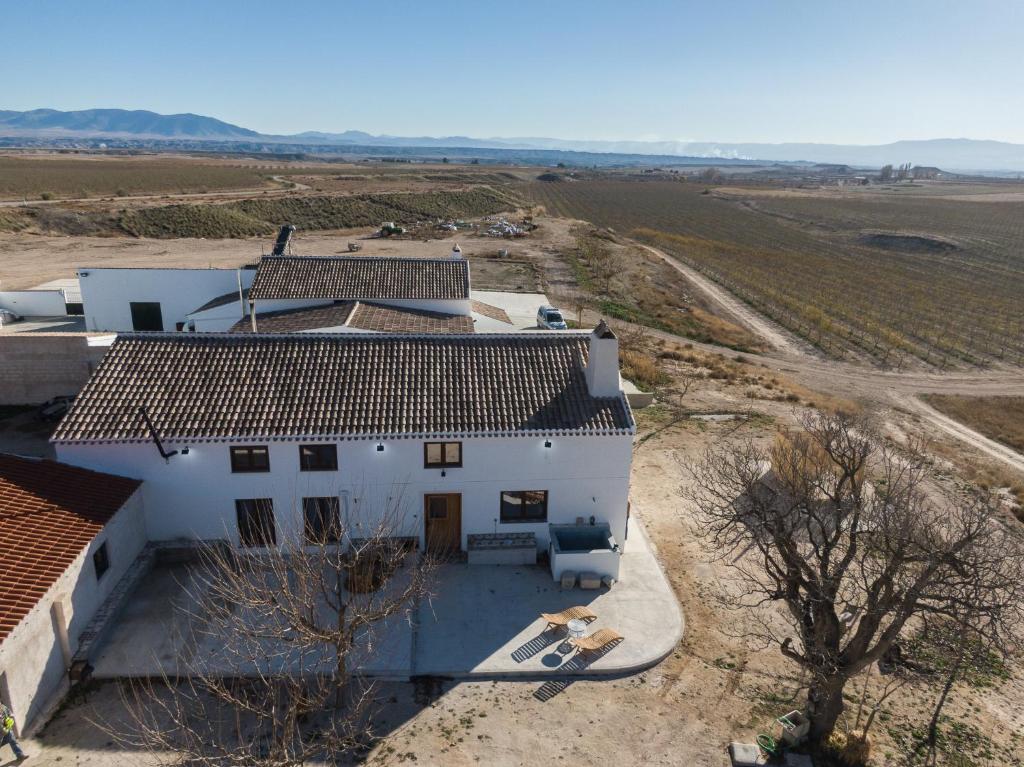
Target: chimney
{"x": 456, "y": 251}
{"x": 603, "y": 365}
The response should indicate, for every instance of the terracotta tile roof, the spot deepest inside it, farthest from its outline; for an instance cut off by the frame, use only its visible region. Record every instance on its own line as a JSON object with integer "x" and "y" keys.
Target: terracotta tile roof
{"x": 49, "y": 512}
{"x": 360, "y": 278}
{"x": 358, "y": 315}
{"x": 490, "y": 310}
{"x": 217, "y": 386}
{"x": 297, "y": 320}
{"x": 389, "y": 319}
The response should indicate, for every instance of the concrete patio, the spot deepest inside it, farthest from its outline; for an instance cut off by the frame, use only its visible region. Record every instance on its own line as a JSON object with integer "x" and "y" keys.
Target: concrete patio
{"x": 482, "y": 622}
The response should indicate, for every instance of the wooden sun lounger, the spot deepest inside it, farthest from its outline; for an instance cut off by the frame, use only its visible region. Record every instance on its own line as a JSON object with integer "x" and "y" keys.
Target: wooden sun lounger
{"x": 596, "y": 641}
{"x": 570, "y": 613}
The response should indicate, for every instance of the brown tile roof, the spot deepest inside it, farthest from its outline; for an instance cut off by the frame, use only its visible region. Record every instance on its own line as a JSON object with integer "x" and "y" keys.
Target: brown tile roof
{"x": 389, "y": 319}
{"x": 210, "y": 386}
{"x": 358, "y": 315}
{"x": 49, "y": 512}
{"x": 490, "y": 310}
{"x": 360, "y": 278}
{"x": 297, "y": 320}
{"x": 224, "y": 300}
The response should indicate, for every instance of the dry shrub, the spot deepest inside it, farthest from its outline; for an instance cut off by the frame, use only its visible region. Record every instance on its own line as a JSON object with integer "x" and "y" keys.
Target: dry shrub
{"x": 642, "y": 369}
{"x": 852, "y": 749}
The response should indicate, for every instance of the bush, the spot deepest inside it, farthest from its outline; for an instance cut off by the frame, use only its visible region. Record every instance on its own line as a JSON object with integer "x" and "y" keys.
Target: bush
{"x": 852, "y": 749}
{"x": 46, "y": 196}
{"x": 642, "y": 370}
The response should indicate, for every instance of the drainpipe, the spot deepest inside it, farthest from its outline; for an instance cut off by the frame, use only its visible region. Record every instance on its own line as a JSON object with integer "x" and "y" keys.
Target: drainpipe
{"x": 252, "y": 314}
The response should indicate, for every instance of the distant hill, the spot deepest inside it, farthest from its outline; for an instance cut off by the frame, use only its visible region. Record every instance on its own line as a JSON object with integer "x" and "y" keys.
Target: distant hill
{"x": 950, "y": 154}
{"x": 118, "y": 122}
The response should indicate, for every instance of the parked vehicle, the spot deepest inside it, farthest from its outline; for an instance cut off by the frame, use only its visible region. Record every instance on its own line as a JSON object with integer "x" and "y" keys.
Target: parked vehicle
{"x": 7, "y": 317}
{"x": 550, "y": 318}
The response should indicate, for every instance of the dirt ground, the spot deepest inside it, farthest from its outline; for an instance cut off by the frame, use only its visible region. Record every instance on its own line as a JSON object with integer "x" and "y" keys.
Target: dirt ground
{"x": 27, "y": 260}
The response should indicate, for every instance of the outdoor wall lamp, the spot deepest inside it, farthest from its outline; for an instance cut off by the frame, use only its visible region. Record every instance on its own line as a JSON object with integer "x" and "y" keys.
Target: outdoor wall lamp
{"x": 184, "y": 451}
{"x": 380, "y": 448}
{"x": 547, "y": 443}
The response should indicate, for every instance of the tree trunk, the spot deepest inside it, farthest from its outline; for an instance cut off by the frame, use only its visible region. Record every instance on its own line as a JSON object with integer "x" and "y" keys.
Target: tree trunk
{"x": 824, "y": 706}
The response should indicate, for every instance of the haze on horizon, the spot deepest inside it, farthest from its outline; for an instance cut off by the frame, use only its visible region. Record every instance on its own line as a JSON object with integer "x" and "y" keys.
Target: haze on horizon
{"x": 748, "y": 71}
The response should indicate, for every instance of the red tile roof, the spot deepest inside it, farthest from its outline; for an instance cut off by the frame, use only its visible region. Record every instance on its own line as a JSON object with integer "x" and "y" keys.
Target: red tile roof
{"x": 49, "y": 512}
{"x": 360, "y": 315}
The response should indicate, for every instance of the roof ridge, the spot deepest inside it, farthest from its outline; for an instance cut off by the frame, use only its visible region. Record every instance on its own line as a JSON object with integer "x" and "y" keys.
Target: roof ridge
{"x": 351, "y": 338}
{"x": 444, "y": 259}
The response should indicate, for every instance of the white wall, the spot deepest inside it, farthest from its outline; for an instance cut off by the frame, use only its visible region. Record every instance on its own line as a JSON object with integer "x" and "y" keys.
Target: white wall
{"x": 34, "y": 303}
{"x": 107, "y": 293}
{"x": 31, "y": 657}
{"x": 193, "y": 495}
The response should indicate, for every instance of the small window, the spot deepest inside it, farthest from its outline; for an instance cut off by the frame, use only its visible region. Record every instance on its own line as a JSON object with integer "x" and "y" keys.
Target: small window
{"x": 101, "y": 560}
{"x": 322, "y": 519}
{"x": 146, "y": 315}
{"x": 249, "y": 459}
{"x": 441, "y": 455}
{"x": 524, "y": 506}
{"x": 256, "y": 521}
{"x": 318, "y": 457}
{"x": 74, "y": 308}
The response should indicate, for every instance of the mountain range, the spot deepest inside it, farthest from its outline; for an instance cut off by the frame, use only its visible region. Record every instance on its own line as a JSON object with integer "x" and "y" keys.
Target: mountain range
{"x": 950, "y": 154}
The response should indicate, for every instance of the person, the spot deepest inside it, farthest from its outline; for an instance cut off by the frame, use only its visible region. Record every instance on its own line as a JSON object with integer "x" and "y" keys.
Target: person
{"x": 7, "y": 728}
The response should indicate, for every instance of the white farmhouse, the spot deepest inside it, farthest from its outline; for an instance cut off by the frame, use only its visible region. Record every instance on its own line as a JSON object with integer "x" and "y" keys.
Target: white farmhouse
{"x": 261, "y": 437}
{"x": 294, "y": 293}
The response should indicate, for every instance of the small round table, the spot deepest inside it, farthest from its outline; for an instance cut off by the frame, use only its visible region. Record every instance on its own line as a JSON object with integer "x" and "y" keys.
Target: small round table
{"x": 576, "y": 628}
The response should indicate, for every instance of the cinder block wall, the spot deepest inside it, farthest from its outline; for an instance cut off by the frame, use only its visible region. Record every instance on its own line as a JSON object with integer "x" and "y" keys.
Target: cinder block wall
{"x": 37, "y": 366}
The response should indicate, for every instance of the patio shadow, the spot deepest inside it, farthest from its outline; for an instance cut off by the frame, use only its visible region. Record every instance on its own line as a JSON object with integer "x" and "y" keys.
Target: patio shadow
{"x": 536, "y": 645}
{"x": 577, "y": 664}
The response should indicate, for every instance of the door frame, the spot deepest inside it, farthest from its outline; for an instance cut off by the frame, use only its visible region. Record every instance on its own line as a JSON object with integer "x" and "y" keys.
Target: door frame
{"x": 456, "y": 507}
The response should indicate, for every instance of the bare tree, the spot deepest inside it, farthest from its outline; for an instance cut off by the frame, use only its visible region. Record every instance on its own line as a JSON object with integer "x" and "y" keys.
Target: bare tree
{"x": 280, "y": 634}
{"x": 844, "y": 531}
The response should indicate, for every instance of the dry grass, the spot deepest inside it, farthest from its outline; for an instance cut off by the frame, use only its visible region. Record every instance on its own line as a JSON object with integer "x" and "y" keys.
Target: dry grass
{"x": 998, "y": 418}
{"x": 642, "y": 369}
{"x": 633, "y": 285}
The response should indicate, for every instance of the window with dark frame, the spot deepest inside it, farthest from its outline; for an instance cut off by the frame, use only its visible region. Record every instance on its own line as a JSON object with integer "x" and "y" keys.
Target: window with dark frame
{"x": 256, "y": 521}
{"x": 146, "y": 315}
{"x": 524, "y": 506}
{"x": 250, "y": 458}
{"x": 322, "y": 518}
{"x": 318, "y": 457}
{"x": 101, "y": 560}
{"x": 442, "y": 455}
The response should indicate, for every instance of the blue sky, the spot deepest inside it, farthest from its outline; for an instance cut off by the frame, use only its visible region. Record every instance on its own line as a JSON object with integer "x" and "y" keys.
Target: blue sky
{"x": 740, "y": 70}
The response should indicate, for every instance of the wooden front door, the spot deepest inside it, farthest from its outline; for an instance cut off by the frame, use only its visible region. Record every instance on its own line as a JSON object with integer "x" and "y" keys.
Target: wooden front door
{"x": 443, "y": 515}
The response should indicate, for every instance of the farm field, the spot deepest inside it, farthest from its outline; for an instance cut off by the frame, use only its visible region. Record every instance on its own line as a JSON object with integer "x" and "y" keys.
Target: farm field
{"x": 254, "y": 216}
{"x": 998, "y": 418}
{"x": 896, "y": 278}
{"x": 55, "y": 176}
